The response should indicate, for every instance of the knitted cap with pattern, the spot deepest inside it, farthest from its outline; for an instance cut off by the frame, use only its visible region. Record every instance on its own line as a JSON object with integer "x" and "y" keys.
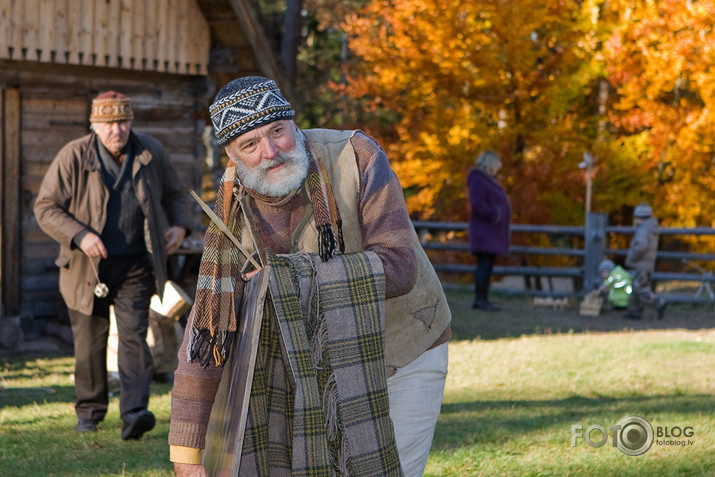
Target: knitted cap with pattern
{"x": 245, "y": 104}
{"x": 111, "y": 107}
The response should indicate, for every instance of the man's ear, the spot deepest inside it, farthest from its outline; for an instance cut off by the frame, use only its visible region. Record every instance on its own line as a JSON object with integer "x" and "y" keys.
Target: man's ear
{"x": 231, "y": 158}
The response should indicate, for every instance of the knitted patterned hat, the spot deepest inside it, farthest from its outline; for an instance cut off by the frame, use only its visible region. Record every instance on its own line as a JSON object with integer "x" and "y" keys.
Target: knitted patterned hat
{"x": 245, "y": 104}
{"x": 111, "y": 107}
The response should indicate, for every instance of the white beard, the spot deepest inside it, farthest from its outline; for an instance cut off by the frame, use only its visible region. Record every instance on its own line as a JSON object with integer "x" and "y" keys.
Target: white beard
{"x": 279, "y": 183}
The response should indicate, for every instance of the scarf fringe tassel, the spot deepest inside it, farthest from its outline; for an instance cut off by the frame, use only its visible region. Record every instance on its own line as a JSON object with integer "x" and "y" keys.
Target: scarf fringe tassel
{"x": 333, "y": 428}
{"x": 341, "y": 241}
{"x": 205, "y": 348}
{"x": 326, "y": 242}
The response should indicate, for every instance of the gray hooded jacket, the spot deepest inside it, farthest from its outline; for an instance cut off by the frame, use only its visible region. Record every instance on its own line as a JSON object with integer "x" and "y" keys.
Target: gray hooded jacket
{"x": 644, "y": 246}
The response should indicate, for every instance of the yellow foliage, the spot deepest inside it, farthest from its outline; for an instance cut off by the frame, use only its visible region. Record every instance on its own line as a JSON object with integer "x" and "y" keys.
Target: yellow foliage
{"x": 530, "y": 79}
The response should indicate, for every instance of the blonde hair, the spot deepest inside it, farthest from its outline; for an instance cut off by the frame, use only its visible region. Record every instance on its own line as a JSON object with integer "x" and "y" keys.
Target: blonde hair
{"x": 488, "y": 161}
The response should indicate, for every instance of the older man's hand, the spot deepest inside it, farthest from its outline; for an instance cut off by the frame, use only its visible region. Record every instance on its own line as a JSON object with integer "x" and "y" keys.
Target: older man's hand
{"x": 174, "y": 236}
{"x": 190, "y": 470}
{"x": 93, "y": 246}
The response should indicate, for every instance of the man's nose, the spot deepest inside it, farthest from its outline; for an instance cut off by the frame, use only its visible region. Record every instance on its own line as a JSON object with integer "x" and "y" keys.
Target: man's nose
{"x": 268, "y": 148}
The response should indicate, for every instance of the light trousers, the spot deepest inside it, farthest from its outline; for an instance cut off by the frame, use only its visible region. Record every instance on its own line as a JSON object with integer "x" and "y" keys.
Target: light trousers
{"x": 415, "y": 393}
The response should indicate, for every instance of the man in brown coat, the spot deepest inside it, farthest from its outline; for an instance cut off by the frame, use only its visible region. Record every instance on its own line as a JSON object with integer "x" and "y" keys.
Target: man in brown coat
{"x": 116, "y": 206}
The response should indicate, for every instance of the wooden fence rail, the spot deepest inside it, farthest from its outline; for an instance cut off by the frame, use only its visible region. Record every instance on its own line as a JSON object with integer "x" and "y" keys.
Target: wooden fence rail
{"x": 594, "y": 236}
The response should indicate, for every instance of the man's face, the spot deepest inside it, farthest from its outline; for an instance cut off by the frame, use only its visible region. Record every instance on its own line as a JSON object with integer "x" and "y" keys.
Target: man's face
{"x": 269, "y": 160}
{"x": 114, "y": 135}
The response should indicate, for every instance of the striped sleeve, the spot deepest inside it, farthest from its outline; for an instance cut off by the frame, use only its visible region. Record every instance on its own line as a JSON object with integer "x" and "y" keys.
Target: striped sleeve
{"x": 385, "y": 223}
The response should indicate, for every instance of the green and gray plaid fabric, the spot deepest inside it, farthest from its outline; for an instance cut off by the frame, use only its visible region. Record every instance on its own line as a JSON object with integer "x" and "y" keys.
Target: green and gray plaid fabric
{"x": 319, "y": 404}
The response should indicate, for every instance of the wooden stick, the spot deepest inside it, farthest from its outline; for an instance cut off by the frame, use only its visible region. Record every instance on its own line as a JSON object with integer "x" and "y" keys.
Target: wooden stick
{"x": 214, "y": 218}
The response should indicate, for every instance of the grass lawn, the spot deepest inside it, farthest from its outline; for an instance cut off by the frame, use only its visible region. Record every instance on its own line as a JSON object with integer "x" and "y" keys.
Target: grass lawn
{"x": 519, "y": 380}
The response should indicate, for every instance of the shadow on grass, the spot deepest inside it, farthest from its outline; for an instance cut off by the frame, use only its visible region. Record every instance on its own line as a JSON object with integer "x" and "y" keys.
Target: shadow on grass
{"x": 518, "y": 316}
{"x": 23, "y": 396}
{"x": 67, "y": 453}
{"x": 492, "y": 421}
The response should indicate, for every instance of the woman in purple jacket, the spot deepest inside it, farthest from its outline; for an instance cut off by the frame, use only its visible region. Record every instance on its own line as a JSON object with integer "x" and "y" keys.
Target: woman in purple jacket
{"x": 489, "y": 222}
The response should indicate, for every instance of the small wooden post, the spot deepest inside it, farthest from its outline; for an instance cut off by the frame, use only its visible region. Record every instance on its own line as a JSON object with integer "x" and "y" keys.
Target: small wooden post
{"x": 595, "y": 249}
{"x": 10, "y": 251}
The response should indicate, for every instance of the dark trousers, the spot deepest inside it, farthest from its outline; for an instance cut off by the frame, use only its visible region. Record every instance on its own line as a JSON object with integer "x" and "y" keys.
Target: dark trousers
{"x": 483, "y": 274}
{"x": 131, "y": 285}
{"x": 642, "y": 294}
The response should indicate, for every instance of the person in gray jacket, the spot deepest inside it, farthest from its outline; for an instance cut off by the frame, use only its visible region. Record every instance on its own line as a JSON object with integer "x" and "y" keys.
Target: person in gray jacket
{"x": 641, "y": 263}
{"x": 116, "y": 206}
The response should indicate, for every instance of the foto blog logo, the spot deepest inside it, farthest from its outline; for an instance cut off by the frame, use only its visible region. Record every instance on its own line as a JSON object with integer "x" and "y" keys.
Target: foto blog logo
{"x": 633, "y": 435}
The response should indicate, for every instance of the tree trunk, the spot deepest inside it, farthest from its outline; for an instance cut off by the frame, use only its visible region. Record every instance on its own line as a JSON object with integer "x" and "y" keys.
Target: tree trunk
{"x": 292, "y": 25}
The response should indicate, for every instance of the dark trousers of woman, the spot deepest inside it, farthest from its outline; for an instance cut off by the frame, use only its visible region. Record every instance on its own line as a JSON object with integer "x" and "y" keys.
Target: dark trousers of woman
{"x": 482, "y": 276}
{"x": 131, "y": 285}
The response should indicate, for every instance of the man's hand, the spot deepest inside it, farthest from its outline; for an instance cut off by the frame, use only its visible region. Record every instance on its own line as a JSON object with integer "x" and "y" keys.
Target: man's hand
{"x": 92, "y": 246}
{"x": 190, "y": 470}
{"x": 174, "y": 236}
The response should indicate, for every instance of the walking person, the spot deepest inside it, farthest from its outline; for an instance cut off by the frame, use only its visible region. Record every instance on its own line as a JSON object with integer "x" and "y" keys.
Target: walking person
{"x": 640, "y": 261}
{"x": 103, "y": 199}
{"x": 489, "y": 223}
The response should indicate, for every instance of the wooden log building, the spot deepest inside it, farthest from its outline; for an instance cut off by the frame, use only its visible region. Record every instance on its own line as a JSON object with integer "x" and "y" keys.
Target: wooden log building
{"x": 168, "y": 56}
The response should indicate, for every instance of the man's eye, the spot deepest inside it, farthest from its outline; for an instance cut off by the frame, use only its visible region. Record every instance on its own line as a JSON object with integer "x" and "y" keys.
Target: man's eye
{"x": 250, "y": 146}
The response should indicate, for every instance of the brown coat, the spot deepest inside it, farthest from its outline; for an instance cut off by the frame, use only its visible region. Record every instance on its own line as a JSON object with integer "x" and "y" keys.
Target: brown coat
{"x": 73, "y": 197}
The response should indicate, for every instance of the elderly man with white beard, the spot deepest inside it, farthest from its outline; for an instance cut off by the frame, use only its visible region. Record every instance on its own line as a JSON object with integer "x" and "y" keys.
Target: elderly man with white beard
{"x": 331, "y": 196}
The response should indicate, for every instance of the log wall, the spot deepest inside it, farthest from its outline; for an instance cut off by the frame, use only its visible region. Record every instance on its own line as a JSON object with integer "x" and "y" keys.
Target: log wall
{"x": 54, "y": 106}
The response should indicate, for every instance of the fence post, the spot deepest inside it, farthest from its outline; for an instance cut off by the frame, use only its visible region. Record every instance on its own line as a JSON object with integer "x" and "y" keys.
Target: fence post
{"x": 595, "y": 249}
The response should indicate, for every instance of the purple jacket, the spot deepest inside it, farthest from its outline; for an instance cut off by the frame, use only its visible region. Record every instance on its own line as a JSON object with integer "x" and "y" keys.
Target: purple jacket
{"x": 490, "y": 215}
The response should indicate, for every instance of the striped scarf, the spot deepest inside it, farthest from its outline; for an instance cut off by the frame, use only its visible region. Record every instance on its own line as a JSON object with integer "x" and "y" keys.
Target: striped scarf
{"x": 219, "y": 289}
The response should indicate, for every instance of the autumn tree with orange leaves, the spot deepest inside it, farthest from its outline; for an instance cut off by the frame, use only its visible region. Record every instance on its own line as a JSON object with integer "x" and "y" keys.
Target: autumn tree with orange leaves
{"x": 661, "y": 60}
{"x": 542, "y": 82}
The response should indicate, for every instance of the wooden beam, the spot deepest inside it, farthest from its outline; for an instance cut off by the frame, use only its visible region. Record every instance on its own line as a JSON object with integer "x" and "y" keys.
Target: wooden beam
{"x": 60, "y": 42}
{"x": 87, "y": 32}
{"x": 11, "y": 199}
{"x": 251, "y": 26}
{"x": 2, "y": 196}
{"x": 172, "y": 33}
{"x": 6, "y": 30}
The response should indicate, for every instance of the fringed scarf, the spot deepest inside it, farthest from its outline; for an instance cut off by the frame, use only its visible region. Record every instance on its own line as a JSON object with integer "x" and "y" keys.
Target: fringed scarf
{"x": 219, "y": 287}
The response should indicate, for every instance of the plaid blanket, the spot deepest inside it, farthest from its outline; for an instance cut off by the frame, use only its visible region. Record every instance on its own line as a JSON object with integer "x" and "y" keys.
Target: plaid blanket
{"x": 319, "y": 404}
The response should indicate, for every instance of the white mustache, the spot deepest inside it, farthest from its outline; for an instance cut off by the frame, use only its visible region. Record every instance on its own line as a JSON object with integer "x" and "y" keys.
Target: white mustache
{"x": 265, "y": 165}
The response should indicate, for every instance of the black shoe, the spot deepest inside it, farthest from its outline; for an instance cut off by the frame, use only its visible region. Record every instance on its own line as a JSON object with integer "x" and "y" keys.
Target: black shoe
{"x": 631, "y": 316}
{"x": 135, "y": 424}
{"x": 485, "y": 305}
{"x": 661, "y": 308}
{"x": 86, "y": 425}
